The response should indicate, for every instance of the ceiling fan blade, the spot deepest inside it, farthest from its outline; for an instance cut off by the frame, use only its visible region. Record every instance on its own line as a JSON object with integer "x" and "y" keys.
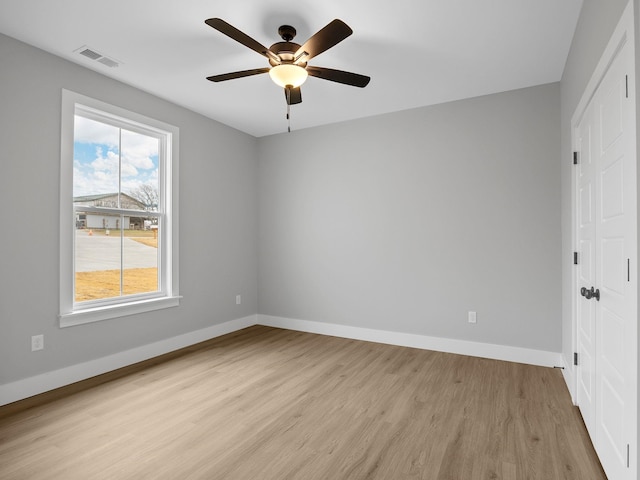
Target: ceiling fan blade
{"x": 293, "y": 95}
{"x": 324, "y": 39}
{"x": 230, "y": 76}
{"x": 240, "y": 37}
{"x": 339, "y": 76}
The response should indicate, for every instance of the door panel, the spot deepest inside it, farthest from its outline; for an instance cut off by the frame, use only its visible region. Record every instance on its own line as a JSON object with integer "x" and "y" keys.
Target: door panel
{"x": 586, "y": 198}
{"x": 586, "y": 381}
{"x": 612, "y": 434}
{"x": 606, "y": 203}
{"x": 613, "y": 266}
{"x": 613, "y": 190}
{"x": 611, "y": 113}
{"x": 612, "y": 335}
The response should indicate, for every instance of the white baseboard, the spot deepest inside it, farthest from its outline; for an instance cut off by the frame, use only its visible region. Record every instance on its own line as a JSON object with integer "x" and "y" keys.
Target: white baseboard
{"x": 28, "y": 387}
{"x": 449, "y": 345}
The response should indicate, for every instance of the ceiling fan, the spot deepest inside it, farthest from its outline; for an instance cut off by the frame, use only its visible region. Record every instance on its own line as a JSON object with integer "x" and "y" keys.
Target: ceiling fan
{"x": 288, "y": 60}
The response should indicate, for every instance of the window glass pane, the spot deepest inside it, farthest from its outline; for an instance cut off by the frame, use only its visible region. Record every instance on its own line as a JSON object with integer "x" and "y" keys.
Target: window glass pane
{"x": 116, "y": 254}
{"x": 96, "y": 158}
{"x": 139, "y": 171}
{"x": 98, "y": 256}
{"x": 140, "y": 254}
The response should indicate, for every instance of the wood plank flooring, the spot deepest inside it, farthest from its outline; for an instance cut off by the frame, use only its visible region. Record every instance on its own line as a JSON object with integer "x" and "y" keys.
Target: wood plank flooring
{"x": 272, "y": 404}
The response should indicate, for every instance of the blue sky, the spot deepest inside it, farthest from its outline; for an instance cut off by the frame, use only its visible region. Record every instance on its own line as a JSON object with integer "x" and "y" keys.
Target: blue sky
{"x": 97, "y": 163}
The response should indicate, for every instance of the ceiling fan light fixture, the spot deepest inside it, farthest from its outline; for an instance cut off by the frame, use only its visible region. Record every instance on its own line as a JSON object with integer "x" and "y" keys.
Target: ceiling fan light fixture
{"x": 288, "y": 75}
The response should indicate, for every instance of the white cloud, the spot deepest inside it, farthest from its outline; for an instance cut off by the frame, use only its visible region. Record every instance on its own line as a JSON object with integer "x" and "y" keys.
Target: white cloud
{"x": 137, "y": 165}
{"x": 91, "y": 183}
{"x": 138, "y": 149}
{"x": 90, "y": 131}
{"x": 108, "y": 163}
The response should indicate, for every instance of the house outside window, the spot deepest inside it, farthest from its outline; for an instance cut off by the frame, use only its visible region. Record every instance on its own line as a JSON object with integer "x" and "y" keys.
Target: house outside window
{"x": 118, "y": 241}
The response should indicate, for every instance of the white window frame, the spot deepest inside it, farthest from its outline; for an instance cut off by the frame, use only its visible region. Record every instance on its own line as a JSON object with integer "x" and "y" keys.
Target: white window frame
{"x": 72, "y": 313}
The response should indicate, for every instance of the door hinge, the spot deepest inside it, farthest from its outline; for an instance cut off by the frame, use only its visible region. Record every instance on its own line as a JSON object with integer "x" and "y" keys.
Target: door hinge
{"x": 626, "y": 85}
{"x": 575, "y": 258}
{"x": 575, "y": 158}
{"x": 628, "y": 455}
{"x": 575, "y": 358}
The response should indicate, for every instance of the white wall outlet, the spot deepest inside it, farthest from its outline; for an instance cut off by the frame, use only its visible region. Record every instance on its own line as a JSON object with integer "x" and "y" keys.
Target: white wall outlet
{"x": 472, "y": 317}
{"x": 37, "y": 342}
{"x": 238, "y": 299}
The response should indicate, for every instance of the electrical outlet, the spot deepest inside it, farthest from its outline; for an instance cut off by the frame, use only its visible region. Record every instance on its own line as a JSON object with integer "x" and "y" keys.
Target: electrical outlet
{"x": 238, "y": 299}
{"x": 37, "y": 342}
{"x": 472, "y": 317}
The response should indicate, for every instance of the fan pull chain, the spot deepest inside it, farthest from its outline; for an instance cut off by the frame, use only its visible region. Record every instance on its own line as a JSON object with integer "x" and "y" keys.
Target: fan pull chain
{"x": 288, "y": 110}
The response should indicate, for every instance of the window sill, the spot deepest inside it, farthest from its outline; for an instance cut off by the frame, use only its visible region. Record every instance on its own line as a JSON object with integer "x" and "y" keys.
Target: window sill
{"x": 114, "y": 311}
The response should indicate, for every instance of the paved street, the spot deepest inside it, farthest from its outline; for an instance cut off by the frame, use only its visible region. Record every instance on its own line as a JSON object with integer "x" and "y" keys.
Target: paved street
{"x": 103, "y": 253}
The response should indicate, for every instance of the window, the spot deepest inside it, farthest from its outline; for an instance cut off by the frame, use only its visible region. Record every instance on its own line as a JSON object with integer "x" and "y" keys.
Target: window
{"x": 118, "y": 209}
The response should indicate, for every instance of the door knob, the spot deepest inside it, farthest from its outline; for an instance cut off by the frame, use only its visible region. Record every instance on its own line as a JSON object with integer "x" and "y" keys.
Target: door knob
{"x": 591, "y": 293}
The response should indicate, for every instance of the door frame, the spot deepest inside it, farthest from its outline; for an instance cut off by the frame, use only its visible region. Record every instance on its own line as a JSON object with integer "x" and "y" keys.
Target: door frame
{"x": 624, "y": 34}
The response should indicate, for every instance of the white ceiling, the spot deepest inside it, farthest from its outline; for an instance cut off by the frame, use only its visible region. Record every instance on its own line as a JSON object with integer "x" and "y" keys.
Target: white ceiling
{"x": 417, "y": 52}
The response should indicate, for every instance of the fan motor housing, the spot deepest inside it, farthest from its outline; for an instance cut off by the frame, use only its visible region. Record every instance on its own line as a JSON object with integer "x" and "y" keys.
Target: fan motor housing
{"x": 286, "y": 51}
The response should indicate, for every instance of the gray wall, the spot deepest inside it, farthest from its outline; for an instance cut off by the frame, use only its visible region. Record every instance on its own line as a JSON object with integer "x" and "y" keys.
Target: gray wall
{"x": 218, "y": 218}
{"x": 596, "y": 24}
{"x": 401, "y": 222}
{"x": 406, "y": 221}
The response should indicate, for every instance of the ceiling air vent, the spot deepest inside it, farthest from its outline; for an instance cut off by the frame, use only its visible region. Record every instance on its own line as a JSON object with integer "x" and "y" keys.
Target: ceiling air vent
{"x": 93, "y": 55}
{"x": 90, "y": 54}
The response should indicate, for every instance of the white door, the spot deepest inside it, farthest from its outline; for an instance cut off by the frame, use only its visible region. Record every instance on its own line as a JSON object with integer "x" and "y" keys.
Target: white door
{"x": 586, "y": 311}
{"x": 606, "y": 231}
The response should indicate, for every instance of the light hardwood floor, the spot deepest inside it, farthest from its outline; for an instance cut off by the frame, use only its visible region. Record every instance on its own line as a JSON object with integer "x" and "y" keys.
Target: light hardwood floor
{"x": 271, "y": 404}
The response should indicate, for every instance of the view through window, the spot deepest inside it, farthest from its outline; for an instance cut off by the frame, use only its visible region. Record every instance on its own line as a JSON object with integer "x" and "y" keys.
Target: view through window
{"x": 116, "y": 202}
